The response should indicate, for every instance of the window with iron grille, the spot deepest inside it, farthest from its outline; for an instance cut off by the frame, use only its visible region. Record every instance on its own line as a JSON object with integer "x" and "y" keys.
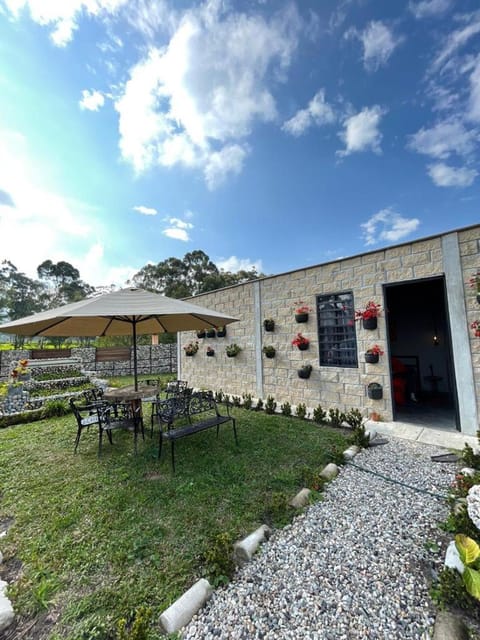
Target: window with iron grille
{"x": 337, "y": 341}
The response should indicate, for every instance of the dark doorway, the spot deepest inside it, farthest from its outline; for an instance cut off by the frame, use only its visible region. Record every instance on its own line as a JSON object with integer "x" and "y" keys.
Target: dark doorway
{"x": 423, "y": 382}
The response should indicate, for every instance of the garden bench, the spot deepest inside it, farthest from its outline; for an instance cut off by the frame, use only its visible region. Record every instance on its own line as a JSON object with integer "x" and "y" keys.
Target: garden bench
{"x": 199, "y": 410}
{"x": 46, "y": 354}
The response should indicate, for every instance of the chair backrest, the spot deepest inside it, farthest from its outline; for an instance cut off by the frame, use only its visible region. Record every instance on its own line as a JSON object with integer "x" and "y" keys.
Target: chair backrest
{"x": 176, "y": 388}
{"x": 84, "y": 414}
{"x": 93, "y": 395}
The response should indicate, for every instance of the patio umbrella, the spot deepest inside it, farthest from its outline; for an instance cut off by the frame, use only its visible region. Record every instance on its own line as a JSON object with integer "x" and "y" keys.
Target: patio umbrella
{"x": 121, "y": 313}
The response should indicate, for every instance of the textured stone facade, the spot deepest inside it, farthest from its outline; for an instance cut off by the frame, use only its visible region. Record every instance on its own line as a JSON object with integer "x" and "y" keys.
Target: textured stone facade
{"x": 275, "y": 297}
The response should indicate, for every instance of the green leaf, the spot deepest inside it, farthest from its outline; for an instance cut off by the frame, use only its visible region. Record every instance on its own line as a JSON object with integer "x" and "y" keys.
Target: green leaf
{"x": 471, "y": 578}
{"x": 467, "y": 548}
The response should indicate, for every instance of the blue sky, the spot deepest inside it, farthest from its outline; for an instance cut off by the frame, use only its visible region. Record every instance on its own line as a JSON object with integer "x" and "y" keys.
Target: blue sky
{"x": 268, "y": 134}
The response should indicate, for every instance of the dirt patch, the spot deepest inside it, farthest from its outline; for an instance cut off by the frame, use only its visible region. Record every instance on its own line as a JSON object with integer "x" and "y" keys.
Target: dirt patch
{"x": 153, "y": 475}
{"x": 11, "y": 570}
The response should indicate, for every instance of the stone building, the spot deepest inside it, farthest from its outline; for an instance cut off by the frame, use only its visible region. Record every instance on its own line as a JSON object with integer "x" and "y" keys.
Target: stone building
{"x": 431, "y": 352}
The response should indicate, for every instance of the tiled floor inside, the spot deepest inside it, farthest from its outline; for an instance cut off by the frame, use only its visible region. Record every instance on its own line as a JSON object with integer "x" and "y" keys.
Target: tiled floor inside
{"x": 426, "y": 413}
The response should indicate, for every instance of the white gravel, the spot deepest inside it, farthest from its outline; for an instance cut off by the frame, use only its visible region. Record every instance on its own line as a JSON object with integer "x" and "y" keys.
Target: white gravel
{"x": 352, "y": 566}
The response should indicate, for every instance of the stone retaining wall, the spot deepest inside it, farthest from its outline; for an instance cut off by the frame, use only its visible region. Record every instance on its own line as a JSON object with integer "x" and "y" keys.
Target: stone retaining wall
{"x": 154, "y": 359}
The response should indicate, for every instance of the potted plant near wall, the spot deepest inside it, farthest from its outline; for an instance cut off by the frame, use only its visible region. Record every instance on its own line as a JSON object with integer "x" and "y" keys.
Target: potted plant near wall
{"x": 210, "y": 352}
{"x": 474, "y": 283}
{"x": 210, "y": 333}
{"x": 301, "y": 342}
{"x": 375, "y": 391}
{"x": 21, "y": 372}
{"x": 269, "y": 351}
{"x": 301, "y": 311}
{"x": 221, "y": 332}
{"x": 269, "y": 324}
{"x": 369, "y": 315}
{"x": 232, "y": 350}
{"x": 191, "y": 348}
{"x": 305, "y": 371}
{"x": 372, "y": 354}
{"x": 476, "y": 328}
{"x": 201, "y": 333}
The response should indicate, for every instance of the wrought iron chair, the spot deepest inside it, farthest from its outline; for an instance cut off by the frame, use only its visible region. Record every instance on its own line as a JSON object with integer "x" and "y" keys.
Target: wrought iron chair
{"x": 86, "y": 415}
{"x": 120, "y": 415}
{"x": 178, "y": 394}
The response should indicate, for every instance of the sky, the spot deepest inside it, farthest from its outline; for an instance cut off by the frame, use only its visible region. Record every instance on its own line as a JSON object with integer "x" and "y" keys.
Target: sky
{"x": 270, "y": 134}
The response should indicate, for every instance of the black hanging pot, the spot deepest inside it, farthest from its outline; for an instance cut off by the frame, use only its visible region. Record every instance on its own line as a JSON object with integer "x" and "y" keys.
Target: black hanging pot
{"x": 304, "y": 373}
{"x": 303, "y": 346}
{"x": 201, "y": 334}
{"x": 210, "y": 353}
{"x": 371, "y": 358}
{"x": 370, "y": 323}
{"x": 478, "y": 298}
{"x": 375, "y": 391}
{"x": 269, "y": 325}
{"x": 301, "y": 317}
{"x": 221, "y": 333}
{"x": 211, "y": 333}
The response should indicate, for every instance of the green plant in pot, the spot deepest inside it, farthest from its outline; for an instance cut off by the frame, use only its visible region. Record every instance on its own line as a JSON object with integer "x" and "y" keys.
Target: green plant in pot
{"x": 191, "y": 348}
{"x": 232, "y": 350}
{"x": 305, "y": 371}
{"x": 269, "y": 324}
{"x": 221, "y": 332}
{"x": 269, "y": 351}
{"x": 201, "y": 333}
{"x": 375, "y": 391}
{"x": 372, "y": 354}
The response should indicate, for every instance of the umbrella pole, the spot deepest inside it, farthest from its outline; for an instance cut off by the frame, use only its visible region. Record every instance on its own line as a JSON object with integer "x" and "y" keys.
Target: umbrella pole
{"x": 135, "y": 354}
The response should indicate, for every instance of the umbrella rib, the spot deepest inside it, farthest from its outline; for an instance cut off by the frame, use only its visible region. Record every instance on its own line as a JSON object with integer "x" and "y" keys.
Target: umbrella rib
{"x": 194, "y": 315}
{"x": 50, "y": 326}
{"x": 107, "y": 326}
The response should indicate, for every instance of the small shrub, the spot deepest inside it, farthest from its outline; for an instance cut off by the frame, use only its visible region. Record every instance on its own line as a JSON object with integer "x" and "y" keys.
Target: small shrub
{"x": 286, "y": 409}
{"x": 270, "y": 405}
{"x": 460, "y": 522}
{"x": 218, "y": 559}
{"x": 354, "y": 418}
{"x": 247, "y": 400}
{"x": 311, "y": 479}
{"x": 138, "y": 629}
{"x": 450, "y": 590}
{"x": 319, "y": 415}
{"x": 55, "y": 408}
{"x": 237, "y": 401}
{"x": 335, "y": 455}
{"x": 336, "y": 417}
{"x": 359, "y": 437}
{"x": 301, "y": 410}
{"x": 277, "y": 510}
{"x": 219, "y": 396}
{"x": 259, "y": 406}
{"x": 469, "y": 458}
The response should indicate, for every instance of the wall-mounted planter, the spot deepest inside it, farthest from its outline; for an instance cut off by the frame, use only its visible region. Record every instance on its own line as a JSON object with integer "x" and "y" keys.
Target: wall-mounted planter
{"x": 301, "y": 317}
{"x": 211, "y": 333}
{"x": 210, "y": 353}
{"x": 375, "y": 391}
{"x": 371, "y": 358}
{"x": 478, "y": 298}
{"x": 269, "y": 324}
{"x": 305, "y": 372}
{"x": 201, "y": 334}
{"x": 303, "y": 346}
{"x": 369, "y": 323}
{"x": 269, "y": 351}
{"x": 221, "y": 332}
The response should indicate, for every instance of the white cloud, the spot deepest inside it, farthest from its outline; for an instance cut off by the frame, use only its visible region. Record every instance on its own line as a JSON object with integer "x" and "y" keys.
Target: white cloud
{"x": 457, "y": 39}
{"x": 63, "y": 15}
{"x": 387, "y": 225}
{"x": 361, "y": 131}
{"x": 428, "y": 8}
{"x": 443, "y": 139}
{"x": 234, "y": 264}
{"x": 68, "y": 228}
{"x": 146, "y": 211}
{"x": 474, "y": 100}
{"x": 194, "y": 102}
{"x": 91, "y": 100}
{"x": 378, "y": 42}
{"x": 446, "y": 176}
{"x": 177, "y": 229}
{"x": 318, "y": 112}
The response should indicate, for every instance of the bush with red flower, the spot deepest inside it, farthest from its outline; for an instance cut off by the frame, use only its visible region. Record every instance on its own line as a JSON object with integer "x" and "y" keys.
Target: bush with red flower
{"x": 375, "y": 350}
{"x": 372, "y": 310}
{"x": 476, "y": 328}
{"x": 300, "y": 341}
{"x": 301, "y": 307}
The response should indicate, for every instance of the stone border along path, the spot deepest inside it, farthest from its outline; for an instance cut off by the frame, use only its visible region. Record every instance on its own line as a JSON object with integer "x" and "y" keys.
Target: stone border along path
{"x": 354, "y": 565}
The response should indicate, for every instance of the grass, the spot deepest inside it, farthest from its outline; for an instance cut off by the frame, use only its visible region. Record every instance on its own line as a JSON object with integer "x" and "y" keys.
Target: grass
{"x": 100, "y": 537}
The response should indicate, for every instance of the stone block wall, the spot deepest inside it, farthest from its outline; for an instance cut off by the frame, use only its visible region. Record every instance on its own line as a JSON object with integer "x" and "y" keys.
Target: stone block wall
{"x": 275, "y": 297}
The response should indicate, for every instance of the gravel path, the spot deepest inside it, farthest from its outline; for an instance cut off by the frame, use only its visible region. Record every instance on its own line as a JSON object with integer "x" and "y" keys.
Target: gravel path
{"x": 353, "y": 566}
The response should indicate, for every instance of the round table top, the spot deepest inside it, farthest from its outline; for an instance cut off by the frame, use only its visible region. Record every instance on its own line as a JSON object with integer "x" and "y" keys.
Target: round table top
{"x": 128, "y": 393}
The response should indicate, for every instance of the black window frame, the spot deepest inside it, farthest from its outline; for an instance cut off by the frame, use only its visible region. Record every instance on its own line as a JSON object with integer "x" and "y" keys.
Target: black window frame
{"x": 336, "y": 330}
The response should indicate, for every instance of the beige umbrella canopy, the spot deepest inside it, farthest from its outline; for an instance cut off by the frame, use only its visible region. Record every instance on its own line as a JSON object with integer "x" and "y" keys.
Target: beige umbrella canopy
{"x": 125, "y": 312}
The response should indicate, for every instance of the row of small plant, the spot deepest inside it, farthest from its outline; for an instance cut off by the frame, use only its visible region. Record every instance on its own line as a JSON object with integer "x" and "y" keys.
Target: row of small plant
{"x": 462, "y": 590}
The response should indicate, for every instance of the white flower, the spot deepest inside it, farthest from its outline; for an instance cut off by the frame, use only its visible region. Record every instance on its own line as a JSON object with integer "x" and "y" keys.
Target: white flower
{"x": 473, "y": 504}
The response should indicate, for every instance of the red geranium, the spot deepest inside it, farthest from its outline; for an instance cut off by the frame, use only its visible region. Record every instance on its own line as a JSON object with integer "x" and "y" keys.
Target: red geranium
{"x": 372, "y": 310}
{"x": 301, "y": 307}
{"x": 476, "y": 328}
{"x": 299, "y": 339}
{"x": 375, "y": 350}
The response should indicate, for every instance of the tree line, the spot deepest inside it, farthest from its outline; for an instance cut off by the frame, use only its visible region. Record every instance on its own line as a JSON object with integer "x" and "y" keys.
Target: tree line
{"x": 60, "y": 283}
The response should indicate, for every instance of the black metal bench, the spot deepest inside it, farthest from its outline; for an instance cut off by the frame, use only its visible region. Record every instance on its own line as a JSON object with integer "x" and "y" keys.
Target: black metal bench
{"x": 200, "y": 412}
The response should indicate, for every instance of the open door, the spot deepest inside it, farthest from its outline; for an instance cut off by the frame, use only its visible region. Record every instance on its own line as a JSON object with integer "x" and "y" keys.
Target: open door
{"x": 422, "y": 375}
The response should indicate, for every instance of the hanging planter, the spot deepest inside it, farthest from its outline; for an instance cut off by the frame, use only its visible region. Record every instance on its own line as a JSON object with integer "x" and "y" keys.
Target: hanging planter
{"x": 201, "y": 333}
{"x": 210, "y": 333}
{"x": 221, "y": 332}
{"x": 369, "y": 315}
{"x": 269, "y": 324}
{"x": 269, "y": 351}
{"x": 232, "y": 350}
{"x": 372, "y": 354}
{"x": 375, "y": 391}
{"x": 210, "y": 352}
{"x": 369, "y": 323}
{"x": 305, "y": 371}
{"x": 191, "y": 348}
{"x": 301, "y": 342}
{"x": 301, "y": 311}
{"x": 474, "y": 283}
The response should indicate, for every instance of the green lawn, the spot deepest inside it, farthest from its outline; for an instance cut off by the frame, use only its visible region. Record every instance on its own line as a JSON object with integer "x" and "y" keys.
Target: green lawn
{"x": 98, "y": 538}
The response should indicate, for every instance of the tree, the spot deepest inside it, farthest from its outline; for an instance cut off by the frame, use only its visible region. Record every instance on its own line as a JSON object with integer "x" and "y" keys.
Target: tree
{"x": 63, "y": 282}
